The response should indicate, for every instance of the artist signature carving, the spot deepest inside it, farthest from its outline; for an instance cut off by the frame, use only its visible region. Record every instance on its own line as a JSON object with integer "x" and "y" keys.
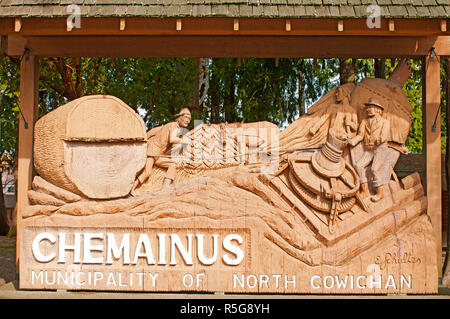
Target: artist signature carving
{"x": 392, "y": 258}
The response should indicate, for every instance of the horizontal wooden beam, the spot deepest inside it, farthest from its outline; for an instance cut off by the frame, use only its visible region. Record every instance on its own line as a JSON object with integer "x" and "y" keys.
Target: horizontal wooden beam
{"x": 228, "y": 46}
{"x": 442, "y": 46}
{"x": 221, "y": 26}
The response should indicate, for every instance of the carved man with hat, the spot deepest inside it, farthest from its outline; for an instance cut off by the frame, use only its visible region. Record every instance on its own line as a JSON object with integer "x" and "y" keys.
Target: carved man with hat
{"x": 160, "y": 141}
{"x": 374, "y": 132}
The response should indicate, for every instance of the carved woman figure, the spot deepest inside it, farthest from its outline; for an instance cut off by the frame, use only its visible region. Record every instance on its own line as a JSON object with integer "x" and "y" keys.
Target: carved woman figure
{"x": 342, "y": 116}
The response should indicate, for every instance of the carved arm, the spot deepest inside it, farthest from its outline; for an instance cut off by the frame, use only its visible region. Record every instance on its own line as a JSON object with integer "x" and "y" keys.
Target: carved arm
{"x": 360, "y": 136}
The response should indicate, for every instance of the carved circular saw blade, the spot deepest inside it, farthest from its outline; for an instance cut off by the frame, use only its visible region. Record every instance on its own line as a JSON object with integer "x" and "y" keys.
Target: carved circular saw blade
{"x": 347, "y": 183}
{"x": 318, "y": 190}
{"x": 316, "y": 201}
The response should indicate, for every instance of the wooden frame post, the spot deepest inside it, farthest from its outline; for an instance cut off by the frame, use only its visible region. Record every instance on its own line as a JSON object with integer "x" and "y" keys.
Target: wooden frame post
{"x": 29, "y": 83}
{"x": 432, "y": 149}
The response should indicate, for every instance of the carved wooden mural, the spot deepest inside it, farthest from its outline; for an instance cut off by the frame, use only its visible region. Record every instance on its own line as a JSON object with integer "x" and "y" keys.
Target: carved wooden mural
{"x": 232, "y": 207}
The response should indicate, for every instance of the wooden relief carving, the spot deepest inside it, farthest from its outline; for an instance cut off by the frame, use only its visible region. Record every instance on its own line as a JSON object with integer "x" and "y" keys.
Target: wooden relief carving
{"x": 232, "y": 207}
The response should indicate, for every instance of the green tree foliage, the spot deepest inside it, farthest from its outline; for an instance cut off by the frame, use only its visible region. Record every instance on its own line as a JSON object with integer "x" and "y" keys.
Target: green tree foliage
{"x": 9, "y": 113}
{"x": 9, "y": 109}
{"x": 264, "y": 90}
{"x": 413, "y": 91}
{"x": 156, "y": 88}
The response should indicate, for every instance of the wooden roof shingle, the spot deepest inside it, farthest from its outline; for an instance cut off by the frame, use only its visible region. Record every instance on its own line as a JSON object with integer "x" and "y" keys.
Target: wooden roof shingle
{"x": 227, "y": 8}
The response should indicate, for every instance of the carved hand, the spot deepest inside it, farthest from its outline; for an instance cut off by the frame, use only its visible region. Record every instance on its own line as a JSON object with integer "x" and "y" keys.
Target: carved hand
{"x": 176, "y": 140}
{"x": 353, "y": 141}
{"x": 379, "y": 141}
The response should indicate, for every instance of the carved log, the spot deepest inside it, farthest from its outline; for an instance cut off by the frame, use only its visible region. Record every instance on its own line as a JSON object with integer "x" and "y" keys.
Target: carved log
{"x": 411, "y": 180}
{"x": 93, "y": 146}
{"x": 41, "y": 185}
{"x": 35, "y": 210}
{"x": 37, "y": 198}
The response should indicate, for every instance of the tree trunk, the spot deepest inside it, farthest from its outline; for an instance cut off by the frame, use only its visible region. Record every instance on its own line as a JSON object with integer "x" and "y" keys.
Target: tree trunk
{"x": 214, "y": 95}
{"x": 380, "y": 68}
{"x": 70, "y": 91}
{"x": 194, "y": 105}
{"x": 347, "y": 71}
{"x": 230, "y": 111}
{"x": 301, "y": 93}
{"x": 4, "y": 228}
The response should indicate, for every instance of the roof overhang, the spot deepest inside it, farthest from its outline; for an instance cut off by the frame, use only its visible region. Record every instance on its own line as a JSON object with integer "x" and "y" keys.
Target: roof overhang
{"x": 225, "y": 37}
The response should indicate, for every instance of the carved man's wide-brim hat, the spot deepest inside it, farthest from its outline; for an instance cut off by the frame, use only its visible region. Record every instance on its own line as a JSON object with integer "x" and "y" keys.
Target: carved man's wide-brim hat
{"x": 373, "y": 101}
{"x": 183, "y": 112}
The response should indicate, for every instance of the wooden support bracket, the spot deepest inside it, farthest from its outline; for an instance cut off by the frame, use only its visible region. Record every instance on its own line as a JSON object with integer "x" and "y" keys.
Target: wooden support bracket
{"x": 122, "y": 24}
{"x": 443, "y": 25}
{"x": 391, "y": 25}
{"x": 69, "y": 25}
{"x": 17, "y": 25}
{"x": 288, "y": 25}
{"x": 340, "y": 25}
{"x": 236, "y": 25}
